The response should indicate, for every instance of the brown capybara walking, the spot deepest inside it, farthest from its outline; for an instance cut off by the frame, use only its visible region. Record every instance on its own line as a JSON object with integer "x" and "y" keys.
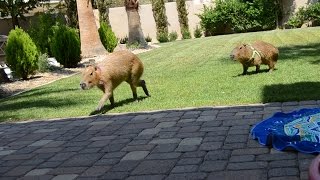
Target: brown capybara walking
{"x": 255, "y": 54}
{"x": 107, "y": 75}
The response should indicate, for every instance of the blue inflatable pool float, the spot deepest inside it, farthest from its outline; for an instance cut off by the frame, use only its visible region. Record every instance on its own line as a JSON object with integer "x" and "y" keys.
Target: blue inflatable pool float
{"x": 299, "y": 130}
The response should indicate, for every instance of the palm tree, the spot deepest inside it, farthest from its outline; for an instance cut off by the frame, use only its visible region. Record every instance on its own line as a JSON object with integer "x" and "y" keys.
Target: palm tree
{"x": 103, "y": 7}
{"x": 90, "y": 41}
{"x": 135, "y": 32}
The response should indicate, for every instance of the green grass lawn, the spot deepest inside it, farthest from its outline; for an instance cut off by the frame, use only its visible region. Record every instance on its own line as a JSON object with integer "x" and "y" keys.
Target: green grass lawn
{"x": 190, "y": 73}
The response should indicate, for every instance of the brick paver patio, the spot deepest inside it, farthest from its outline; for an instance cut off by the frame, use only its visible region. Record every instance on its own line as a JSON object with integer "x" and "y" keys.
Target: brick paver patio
{"x": 200, "y": 143}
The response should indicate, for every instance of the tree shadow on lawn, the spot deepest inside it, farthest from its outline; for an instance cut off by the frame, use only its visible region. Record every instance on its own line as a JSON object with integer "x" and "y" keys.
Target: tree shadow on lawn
{"x": 300, "y": 51}
{"x": 291, "y": 92}
{"x": 106, "y": 108}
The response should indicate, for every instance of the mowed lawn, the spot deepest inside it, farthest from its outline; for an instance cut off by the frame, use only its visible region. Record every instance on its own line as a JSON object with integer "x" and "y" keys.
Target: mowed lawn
{"x": 190, "y": 73}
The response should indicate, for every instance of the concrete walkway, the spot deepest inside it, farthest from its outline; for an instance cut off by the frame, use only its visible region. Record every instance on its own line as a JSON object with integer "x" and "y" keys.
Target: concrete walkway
{"x": 201, "y": 143}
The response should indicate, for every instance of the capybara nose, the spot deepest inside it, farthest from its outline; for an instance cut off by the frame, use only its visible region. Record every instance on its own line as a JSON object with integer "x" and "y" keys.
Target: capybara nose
{"x": 232, "y": 56}
{"x": 83, "y": 85}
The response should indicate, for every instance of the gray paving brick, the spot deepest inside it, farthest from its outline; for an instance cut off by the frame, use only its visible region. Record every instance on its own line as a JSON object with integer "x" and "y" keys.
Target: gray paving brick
{"x": 284, "y": 163}
{"x": 214, "y": 139}
{"x": 185, "y": 169}
{"x": 273, "y": 157}
{"x": 164, "y": 156}
{"x": 209, "y": 166}
{"x": 40, "y": 143}
{"x": 125, "y": 166}
{"x": 146, "y": 177}
{"x": 150, "y": 131}
{"x": 65, "y": 177}
{"x": 253, "y": 151}
{"x": 190, "y": 134}
{"x": 190, "y": 141}
{"x": 189, "y": 161}
{"x": 101, "y": 138}
{"x": 114, "y": 155}
{"x": 95, "y": 171}
{"x": 218, "y": 155}
{"x": 154, "y": 167}
{"x": 283, "y": 172}
{"x": 243, "y": 158}
{"x": 247, "y": 165}
{"x": 239, "y": 175}
{"x": 19, "y": 171}
{"x": 186, "y": 148}
{"x": 195, "y": 154}
{"x": 41, "y": 177}
{"x": 100, "y": 123}
{"x": 165, "y": 141}
{"x": 236, "y": 138}
{"x": 107, "y": 162}
{"x": 209, "y": 146}
{"x": 50, "y": 164}
{"x": 38, "y": 172}
{"x": 45, "y": 131}
{"x": 165, "y": 124}
{"x": 146, "y": 147}
{"x": 67, "y": 170}
{"x": 135, "y": 155}
{"x": 189, "y": 129}
{"x": 285, "y": 178}
{"x": 6, "y": 152}
{"x": 234, "y": 146}
{"x": 161, "y": 148}
{"x": 83, "y": 160}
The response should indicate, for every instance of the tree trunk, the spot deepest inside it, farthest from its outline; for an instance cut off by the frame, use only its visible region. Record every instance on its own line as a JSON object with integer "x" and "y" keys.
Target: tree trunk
{"x": 15, "y": 22}
{"x": 90, "y": 41}
{"x": 135, "y": 31}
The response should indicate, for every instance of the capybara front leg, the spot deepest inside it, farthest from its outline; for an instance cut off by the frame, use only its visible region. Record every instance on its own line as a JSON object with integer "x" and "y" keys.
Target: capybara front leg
{"x": 111, "y": 99}
{"x": 245, "y": 69}
{"x": 144, "y": 87}
{"x": 257, "y": 68}
{"x": 103, "y": 100}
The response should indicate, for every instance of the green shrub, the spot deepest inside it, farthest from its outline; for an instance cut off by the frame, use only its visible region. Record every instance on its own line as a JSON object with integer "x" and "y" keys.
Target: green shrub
{"x": 21, "y": 53}
{"x": 310, "y": 13}
{"x": 162, "y": 37}
{"x": 148, "y": 38}
{"x": 107, "y": 37}
{"x": 238, "y": 16}
{"x": 173, "y": 36}
{"x": 123, "y": 40}
{"x": 197, "y": 32}
{"x": 186, "y": 34}
{"x": 43, "y": 64}
{"x": 41, "y": 31}
{"x": 65, "y": 46}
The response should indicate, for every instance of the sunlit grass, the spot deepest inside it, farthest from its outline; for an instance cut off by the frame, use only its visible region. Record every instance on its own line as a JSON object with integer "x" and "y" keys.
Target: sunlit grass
{"x": 190, "y": 73}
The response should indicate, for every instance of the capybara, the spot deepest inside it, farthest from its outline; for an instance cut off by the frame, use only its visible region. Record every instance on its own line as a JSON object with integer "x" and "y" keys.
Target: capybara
{"x": 107, "y": 75}
{"x": 255, "y": 54}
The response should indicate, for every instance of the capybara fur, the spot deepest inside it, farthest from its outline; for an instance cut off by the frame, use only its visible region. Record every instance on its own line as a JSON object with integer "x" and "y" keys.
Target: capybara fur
{"x": 107, "y": 75}
{"x": 255, "y": 54}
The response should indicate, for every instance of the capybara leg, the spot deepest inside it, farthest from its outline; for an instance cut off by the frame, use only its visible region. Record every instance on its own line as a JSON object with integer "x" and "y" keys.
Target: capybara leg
{"x": 134, "y": 91}
{"x": 144, "y": 87}
{"x": 111, "y": 99}
{"x": 103, "y": 100}
{"x": 245, "y": 69}
{"x": 257, "y": 68}
{"x": 271, "y": 66}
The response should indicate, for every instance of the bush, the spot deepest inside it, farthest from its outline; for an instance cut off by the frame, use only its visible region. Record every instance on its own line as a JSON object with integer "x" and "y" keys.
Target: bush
{"x": 186, "y": 34}
{"x": 162, "y": 37}
{"x": 197, "y": 32}
{"x": 238, "y": 16}
{"x": 173, "y": 36}
{"x": 65, "y": 46}
{"x": 148, "y": 38}
{"x": 107, "y": 37}
{"x": 41, "y": 31}
{"x": 43, "y": 64}
{"x": 124, "y": 40}
{"x": 21, "y": 53}
{"x": 304, "y": 15}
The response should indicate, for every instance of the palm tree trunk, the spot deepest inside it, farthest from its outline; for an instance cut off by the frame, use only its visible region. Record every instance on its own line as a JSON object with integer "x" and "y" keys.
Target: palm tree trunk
{"x": 135, "y": 31}
{"x": 90, "y": 41}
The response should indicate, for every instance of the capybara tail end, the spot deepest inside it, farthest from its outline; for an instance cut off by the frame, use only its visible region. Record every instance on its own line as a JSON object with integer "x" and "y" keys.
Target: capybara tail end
{"x": 144, "y": 87}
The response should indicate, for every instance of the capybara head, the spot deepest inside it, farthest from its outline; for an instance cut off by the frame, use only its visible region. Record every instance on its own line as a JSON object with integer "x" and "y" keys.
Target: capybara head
{"x": 90, "y": 77}
{"x": 241, "y": 52}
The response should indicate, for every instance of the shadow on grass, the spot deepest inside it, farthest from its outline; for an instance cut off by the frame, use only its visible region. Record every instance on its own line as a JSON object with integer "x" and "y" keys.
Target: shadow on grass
{"x": 291, "y": 92}
{"x": 253, "y": 72}
{"x": 105, "y": 108}
{"x": 300, "y": 51}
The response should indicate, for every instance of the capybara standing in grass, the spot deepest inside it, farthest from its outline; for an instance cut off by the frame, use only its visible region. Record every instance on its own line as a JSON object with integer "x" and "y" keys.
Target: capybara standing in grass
{"x": 255, "y": 54}
{"x": 107, "y": 75}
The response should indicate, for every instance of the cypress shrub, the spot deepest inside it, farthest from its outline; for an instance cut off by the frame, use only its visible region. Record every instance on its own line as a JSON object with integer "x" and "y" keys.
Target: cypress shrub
{"x": 65, "y": 46}
{"x": 21, "y": 53}
{"x": 108, "y": 38}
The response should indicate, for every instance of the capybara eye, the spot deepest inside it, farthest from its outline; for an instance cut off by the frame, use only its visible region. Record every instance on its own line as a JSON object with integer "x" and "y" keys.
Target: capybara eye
{"x": 91, "y": 74}
{"x": 240, "y": 47}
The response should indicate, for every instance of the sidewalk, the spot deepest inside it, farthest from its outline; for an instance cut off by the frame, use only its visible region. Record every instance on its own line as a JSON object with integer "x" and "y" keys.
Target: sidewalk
{"x": 200, "y": 143}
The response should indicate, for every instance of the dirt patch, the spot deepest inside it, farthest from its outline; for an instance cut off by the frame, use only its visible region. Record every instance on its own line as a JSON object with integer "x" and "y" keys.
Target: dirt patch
{"x": 39, "y": 79}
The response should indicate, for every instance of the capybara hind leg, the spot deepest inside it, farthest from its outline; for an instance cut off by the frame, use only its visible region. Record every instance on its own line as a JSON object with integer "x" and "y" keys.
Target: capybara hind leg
{"x": 134, "y": 91}
{"x": 271, "y": 66}
{"x": 257, "y": 68}
{"x": 144, "y": 87}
